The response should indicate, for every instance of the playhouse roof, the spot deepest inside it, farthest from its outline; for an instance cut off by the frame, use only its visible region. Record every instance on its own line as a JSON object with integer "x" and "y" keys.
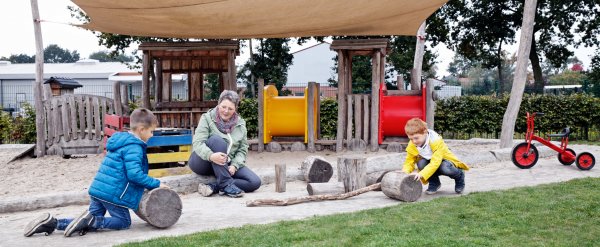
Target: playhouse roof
{"x": 226, "y": 19}
{"x": 64, "y": 82}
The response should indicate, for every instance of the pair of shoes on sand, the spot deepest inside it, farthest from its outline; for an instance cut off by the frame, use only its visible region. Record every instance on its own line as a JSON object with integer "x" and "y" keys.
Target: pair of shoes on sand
{"x": 46, "y": 223}
{"x": 211, "y": 189}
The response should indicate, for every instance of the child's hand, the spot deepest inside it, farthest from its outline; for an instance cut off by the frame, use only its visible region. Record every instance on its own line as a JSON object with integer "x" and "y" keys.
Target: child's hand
{"x": 417, "y": 176}
{"x": 164, "y": 186}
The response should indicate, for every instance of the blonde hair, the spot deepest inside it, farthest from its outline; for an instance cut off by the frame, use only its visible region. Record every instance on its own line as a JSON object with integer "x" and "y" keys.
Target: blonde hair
{"x": 142, "y": 117}
{"x": 415, "y": 126}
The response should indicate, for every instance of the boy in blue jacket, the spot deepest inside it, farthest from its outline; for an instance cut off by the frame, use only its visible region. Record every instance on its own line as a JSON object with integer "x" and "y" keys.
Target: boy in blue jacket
{"x": 117, "y": 187}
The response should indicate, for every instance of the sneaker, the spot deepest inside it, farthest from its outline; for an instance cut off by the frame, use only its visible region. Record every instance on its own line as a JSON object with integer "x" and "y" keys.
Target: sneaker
{"x": 45, "y": 223}
{"x": 81, "y": 224}
{"x": 459, "y": 186}
{"x": 207, "y": 189}
{"x": 432, "y": 189}
{"x": 233, "y": 191}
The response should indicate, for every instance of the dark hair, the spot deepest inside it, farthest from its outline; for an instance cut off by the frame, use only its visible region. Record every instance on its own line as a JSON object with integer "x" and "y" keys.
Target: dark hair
{"x": 142, "y": 117}
{"x": 231, "y": 96}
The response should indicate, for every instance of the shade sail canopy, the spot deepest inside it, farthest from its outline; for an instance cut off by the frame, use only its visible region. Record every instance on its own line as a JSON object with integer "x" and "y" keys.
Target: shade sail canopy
{"x": 227, "y": 19}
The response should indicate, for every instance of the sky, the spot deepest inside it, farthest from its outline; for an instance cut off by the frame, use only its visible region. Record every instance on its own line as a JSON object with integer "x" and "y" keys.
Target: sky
{"x": 16, "y": 27}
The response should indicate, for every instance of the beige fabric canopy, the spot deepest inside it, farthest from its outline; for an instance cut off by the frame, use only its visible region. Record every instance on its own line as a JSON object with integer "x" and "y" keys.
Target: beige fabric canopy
{"x": 226, "y": 19}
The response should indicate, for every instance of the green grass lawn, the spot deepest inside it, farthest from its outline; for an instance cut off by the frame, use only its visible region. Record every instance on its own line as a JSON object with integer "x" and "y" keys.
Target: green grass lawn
{"x": 561, "y": 214}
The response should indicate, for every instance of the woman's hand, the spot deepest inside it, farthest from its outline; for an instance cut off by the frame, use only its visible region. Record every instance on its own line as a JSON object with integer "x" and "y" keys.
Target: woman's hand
{"x": 232, "y": 170}
{"x": 218, "y": 158}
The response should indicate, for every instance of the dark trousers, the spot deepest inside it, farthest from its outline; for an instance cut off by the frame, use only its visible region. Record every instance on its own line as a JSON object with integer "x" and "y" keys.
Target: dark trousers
{"x": 446, "y": 168}
{"x": 244, "y": 178}
{"x": 120, "y": 218}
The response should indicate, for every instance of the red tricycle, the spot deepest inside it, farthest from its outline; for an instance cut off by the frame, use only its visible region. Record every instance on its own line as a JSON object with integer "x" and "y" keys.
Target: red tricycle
{"x": 525, "y": 154}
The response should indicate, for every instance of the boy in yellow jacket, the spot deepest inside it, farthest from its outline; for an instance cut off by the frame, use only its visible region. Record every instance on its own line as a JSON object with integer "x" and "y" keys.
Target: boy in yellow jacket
{"x": 428, "y": 151}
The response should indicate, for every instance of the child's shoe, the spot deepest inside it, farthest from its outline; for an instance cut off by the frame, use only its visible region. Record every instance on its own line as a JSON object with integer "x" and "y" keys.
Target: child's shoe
{"x": 81, "y": 224}
{"x": 459, "y": 186}
{"x": 45, "y": 223}
{"x": 432, "y": 189}
{"x": 207, "y": 189}
{"x": 233, "y": 191}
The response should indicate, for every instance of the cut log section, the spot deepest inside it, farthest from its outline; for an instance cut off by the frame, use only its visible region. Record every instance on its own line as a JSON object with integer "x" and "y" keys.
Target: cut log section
{"x": 352, "y": 171}
{"x": 160, "y": 207}
{"x": 375, "y": 177}
{"x": 401, "y": 186}
{"x": 316, "y": 170}
{"x": 280, "y": 178}
{"x": 314, "y": 198}
{"x": 325, "y": 188}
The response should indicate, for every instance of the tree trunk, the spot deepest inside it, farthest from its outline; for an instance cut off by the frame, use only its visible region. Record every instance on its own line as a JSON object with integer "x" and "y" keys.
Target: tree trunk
{"x": 401, "y": 186}
{"x": 520, "y": 78}
{"x": 253, "y": 90}
{"x": 415, "y": 82}
{"x": 500, "y": 79}
{"x": 160, "y": 207}
{"x": 537, "y": 68}
{"x": 37, "y": 86}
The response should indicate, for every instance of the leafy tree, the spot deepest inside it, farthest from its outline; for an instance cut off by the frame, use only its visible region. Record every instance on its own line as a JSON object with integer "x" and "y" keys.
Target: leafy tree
{"x": 21, "y": 58}
{"x": 460, "y": 66}
{"x": 55, "y": 54}
{"x": 478, "y": 29}
{"x": 211, "y": 86}
{"x": 271, "y": 62}
{"x": 105, "y": 56}
{"x": 593, "y": 78}
{"x": 568, "y": 77}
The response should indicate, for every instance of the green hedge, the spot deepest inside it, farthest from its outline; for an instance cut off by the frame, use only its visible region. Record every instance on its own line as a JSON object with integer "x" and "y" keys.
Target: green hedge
{"x": 20, "y": 129}
{"x": 483, "y": 114}
{"x": 479, "y": 114}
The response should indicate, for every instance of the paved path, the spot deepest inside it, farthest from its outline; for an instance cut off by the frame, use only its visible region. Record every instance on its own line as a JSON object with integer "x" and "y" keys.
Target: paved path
{"x": 203, "y": 214}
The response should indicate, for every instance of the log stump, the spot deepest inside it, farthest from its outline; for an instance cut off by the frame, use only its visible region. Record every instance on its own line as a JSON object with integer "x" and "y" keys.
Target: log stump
{"x": 274, "y": 147}
{"x": 160, "y": 207}
{"x": 357, "y": 145}
{"x": 298, "y": 146}
{"x": 352, "y": 171}
{"x": 375, "y": 177}
{"x": 401, "y": 186}
{"x": 280, "y": 177}
{"x": 332, "y": 188}
{"x": 316, "y": 169}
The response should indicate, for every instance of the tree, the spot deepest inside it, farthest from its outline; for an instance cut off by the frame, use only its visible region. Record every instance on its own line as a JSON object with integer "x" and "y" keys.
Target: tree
{"x": 460, "y": 66}
{"x": 477, "y": 29}
{"x": 55, "y": 54}
{"x": 21, "y": 58}
{"x": 271, "y": 62}
{"x": 593, "y": 78}
{"x": 568, "y": 77}
{"x": 105, "y": 56}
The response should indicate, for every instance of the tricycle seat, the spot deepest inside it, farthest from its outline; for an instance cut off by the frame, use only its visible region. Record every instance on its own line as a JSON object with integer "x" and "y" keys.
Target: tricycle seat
{"x": 564, "y": 133}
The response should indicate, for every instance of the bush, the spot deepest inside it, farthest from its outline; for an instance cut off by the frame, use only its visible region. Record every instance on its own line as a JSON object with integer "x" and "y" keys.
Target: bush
{"x": 329, "y": 111}
{"x": 248, "y": 109}
{"x": 20, "y": 129}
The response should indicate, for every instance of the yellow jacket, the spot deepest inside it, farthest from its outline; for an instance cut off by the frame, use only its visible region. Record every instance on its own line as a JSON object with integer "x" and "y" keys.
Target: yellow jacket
{"x": 440, "y": 152}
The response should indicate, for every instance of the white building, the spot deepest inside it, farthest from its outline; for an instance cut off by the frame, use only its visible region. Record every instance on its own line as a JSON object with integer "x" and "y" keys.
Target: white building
{"x": 313, "y": 63}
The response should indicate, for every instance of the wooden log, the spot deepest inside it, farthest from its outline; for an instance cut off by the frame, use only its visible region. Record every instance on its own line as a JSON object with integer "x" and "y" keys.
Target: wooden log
{"x": 395, "y": 147}
{"x": 313, "y": 198}
{"x": 274, "y": 147}
{"x": 56, "y": 127}
{"x": 429, "y": 104}
{"x": 353, "y": 172}
{"x": 89, "y": 119}
{"x": 261, "y": 114}
{"x": 280, "y": 177}
{"x": 375, "y": 177}
{"x": 81, "y": 114}
{"x": 38, "y": 92}
{"x": 401, "y": 186}
{"x": 357, "y": 116}
{"x": 298, "y": 146}
{"x": 158, "y": 78}
{"x": 332, "y": 188}
{"x": 73, "y": 115}
{"x": 66, "y": 125}
{"x": 349, "y": 119}
{"x": 117, "y": 98}
{"x": 366, "y": 117}
{"x": 341, "y": 99}
{"x": 356, "y": 144}
{"x": 311, "y": 117}
{"x": 124, "y": 99}
{"x": 376, "y": 80}
{"x": 97, "y": 121}
{"x": 316, "y": 169}
{"x": 160, "y": 207}
{"x": 146, "y": 80}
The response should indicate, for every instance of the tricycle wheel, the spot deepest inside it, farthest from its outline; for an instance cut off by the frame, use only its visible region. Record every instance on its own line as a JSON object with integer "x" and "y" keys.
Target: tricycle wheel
{"x": 585, "y": 161}
{"x": 524, "y": 158}
{"x": 564, "y": 162}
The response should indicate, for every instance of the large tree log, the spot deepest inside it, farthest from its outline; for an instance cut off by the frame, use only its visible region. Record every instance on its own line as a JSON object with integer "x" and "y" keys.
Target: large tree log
{"x": 352, "y": 171}
{"x": 401, "y": 186}
{"x": 316, "y": 169}
{"x": 325, "y": 188}
{"x": 314, "y": 198}
{"x": 160, "y": 207}
{"x": 375, "y": 177}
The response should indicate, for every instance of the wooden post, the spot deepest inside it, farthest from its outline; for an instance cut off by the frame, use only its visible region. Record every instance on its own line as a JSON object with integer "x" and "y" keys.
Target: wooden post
{"x": 232, "y": 71}
{"x": 261, "y": 114}
{"x": 348, "y": 78}
{"x": 349, "y": 118}
{"x": 366, "y": 114}
{"x": 160, "y": 207}
{"x": 311, "y": 117}
{"x": 117, "y": 98}
{"x": 159, "y": 81}
{"x": 401, "y": 186}
{"x": 415, "y": 82}
{"x": 520, "y": 77}
{"x": 280, "y": 177}
{"x": 332, "y": 188}
{"x": 40, "y": 146}
{"x": 357, "y": 116}
{"x": 374, "y": 141}
{"x": 146, "y": 80}
{"x": 318, "y": 92}
{"x": 353, "y": 172}
{"x": 430, "y": 104}
{"x": 125, "y": 98}
{"x": 341, "y": 99}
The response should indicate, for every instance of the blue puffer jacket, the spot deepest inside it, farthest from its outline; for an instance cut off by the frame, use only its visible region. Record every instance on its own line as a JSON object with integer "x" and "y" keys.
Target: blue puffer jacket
{"x": 123, "y": 174}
